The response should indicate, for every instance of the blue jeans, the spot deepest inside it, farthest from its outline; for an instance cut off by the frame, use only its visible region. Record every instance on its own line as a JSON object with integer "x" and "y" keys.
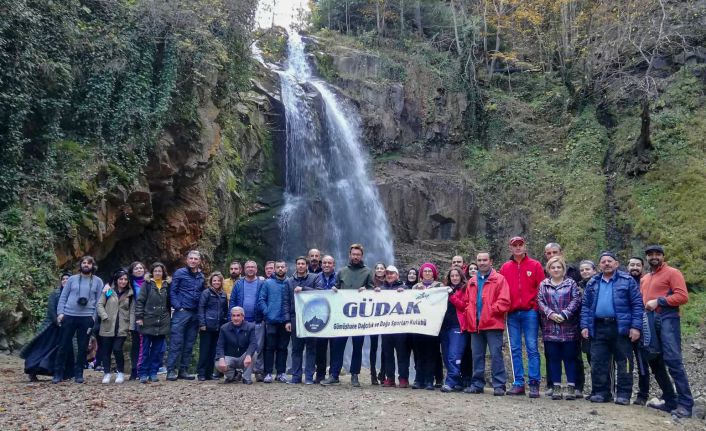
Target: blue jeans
{"x": 519, "y": 323}
{"x": 492, "y": 341}
{"x": 669, "y": 331}
{"x": 558, "y": 352}
{"x": 152, "y": 351}
{"x": 298, "y": 356}
{"x": 453, "y": 345}
{"x": 182, "y": 337}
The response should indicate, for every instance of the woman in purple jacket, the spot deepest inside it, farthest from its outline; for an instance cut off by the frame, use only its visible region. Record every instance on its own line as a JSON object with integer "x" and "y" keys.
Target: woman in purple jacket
{"x": 559, "y": 304}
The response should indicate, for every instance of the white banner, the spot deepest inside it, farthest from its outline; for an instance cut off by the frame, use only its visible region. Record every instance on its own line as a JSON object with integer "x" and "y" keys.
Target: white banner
{"x": 323, "y": 313}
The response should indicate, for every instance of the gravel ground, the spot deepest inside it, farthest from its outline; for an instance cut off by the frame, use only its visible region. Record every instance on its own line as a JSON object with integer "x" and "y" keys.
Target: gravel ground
{"x": 193, "y": 405}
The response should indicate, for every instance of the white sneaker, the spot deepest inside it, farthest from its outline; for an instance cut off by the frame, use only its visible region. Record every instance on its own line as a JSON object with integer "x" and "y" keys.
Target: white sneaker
{"x": 106, "y": 378}
{"x": 120, "y": 378}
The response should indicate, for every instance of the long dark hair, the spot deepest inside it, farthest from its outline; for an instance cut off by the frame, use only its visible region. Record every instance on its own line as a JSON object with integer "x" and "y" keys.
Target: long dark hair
{"x": 116, "y": 275}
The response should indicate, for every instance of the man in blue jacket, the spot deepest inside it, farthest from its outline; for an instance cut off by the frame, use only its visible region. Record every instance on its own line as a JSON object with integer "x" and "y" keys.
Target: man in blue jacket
{"x": 611, "y": 316}
{"x": 184, "y": 294}
{"x": 273, "y": 303}
{"x": 325, "y": 280}
{"x": 301, "y": 280}
{"x": 245, "y": 294}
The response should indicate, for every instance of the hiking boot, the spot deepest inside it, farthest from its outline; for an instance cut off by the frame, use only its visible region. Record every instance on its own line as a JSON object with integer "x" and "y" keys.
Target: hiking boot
{"x": 534, "y": 391}
{"x": 622, "y": 401}
{"x": 640, "y": 401}
{"x": 374, "y": 379}
{"x": 404, "y": 383}
{"x": 331, "y": 381}
{"x": 681, "y": 412}
{"x": 282, "y": 378}
{"x": 556, "y": 394}
{"x": 172, "y": 376}
{"x": 446, "y": 389}
{"x": 267, "y": 379}
{"x": 516, "y": 390}
{"x": 499, "y": 392}
{"x": 183, "y": 375}
{"x": 472, "y": 390}
{"x": 570, "y": 393}
{"x": 354, "y": 381}
{"x": 106, "y": 378}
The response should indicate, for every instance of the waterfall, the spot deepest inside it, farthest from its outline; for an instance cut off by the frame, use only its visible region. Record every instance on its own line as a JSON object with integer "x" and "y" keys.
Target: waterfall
{"x": 330, "y": 201}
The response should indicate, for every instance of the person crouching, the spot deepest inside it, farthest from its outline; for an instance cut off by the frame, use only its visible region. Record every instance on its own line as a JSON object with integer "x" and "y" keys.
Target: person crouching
{"x": 237, "y": 343}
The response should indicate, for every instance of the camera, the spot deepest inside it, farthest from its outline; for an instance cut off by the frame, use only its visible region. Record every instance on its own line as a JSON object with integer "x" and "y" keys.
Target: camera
{"x": 82, "y": 301}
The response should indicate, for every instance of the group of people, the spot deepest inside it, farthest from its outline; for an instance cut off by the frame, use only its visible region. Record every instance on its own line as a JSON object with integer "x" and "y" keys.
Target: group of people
{"x": 622, "y": 321}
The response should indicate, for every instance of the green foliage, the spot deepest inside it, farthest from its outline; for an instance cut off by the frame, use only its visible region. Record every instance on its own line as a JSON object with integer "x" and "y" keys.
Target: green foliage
{"x": 693, "y": 320}
{"x": 324, "y": 65}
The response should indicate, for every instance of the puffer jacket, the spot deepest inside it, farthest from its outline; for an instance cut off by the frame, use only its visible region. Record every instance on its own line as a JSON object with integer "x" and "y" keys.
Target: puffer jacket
{"x": 274, "y": 299}
{"x": 116, "y": 308}
{"x": 237, "y": 297}
{"x": 213, "y": 309}
{"x": 627, "y": 302}
{"x": 496, "y": 303}
{"x": 186, "y": 289}
{"x": 153, "y": 307}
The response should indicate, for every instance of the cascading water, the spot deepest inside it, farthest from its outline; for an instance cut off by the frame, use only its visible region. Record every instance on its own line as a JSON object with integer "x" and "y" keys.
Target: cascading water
{"x": 329, "y": 201}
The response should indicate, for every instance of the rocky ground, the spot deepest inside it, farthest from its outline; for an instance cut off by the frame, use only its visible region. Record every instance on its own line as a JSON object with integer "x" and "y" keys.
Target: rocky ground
{"x": 193, "y": 405}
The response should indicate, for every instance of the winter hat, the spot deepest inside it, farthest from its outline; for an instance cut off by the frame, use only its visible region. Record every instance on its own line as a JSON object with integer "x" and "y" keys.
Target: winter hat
{"x": 431, "y": 266}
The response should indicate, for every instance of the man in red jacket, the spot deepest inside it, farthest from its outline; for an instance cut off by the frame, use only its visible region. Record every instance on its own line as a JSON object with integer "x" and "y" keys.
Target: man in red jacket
{"x": 523, "y": 275}
{"x": 488, "y": 299}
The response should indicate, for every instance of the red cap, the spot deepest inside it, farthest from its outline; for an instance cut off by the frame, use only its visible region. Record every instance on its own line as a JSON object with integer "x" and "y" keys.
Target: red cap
{"x": 516, "y": 239}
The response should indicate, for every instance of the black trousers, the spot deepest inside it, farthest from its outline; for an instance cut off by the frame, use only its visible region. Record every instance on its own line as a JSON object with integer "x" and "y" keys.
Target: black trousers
{"x": 427, "y": 355}
{"x": 135, "y": 353}
{"x": 608, "y": 347}
{"x": 80, "y": 327}
{"x": 374, "y": 342}
{"x": 276, "y": 342}
{"x": 114, "y": 346}
{"x": 207, "y": 353}
{"x": 467, "y": 364}
{"x": 399, "y": 344}
{"x": 321, "y": 356}
{"x": 643, "y": 372}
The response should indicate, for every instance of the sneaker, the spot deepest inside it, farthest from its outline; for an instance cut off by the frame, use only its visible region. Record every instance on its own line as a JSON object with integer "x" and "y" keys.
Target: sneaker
{"x": 374, "y": 380}
{"x": 120, "y": 378}
{"x": 172, "y": 376}
{"x": 318, "y": 379}
{"x": 446, "y": 389}
{"x": 534, "y": 390}
{"x": 247, "y": 382}
{"x": 549, "y": 392}
{"x": 201, "y": 378}
{"x": 162, "y": 370}
{"x": 354, "y": 381}
{"x": 499, "y": 392}
{"x": 681, "y": 412}
{"x": 472, "y": 390}
{"x": 144, "y": 380}
{"x": 154, "y": 378}
{"x": 517, "y": 390}
{"x": 282, "y": 378}
{"x": 388, "y": 383}
{"x": 622, "y": 401}
{"x": 404, "y": 383}
{"x": 556, "y": 394}
{"x": 308, "y": 381}
{"x": 267, "y": 379}
{"x": 640, "y": 401}
{"x": 294, "y": 381}
{"x": 185, "y": 376}
{"x": 417, "y": 385}
{"x": 662, "y": 406}
{"x": 430, "y": 387}
{"x": 106, "y": 378}
{"x": 458, "y": 388}
{"x": 330, "y": 381}
{"x": 599, "y": 399}
{"x": 570, "y": 393}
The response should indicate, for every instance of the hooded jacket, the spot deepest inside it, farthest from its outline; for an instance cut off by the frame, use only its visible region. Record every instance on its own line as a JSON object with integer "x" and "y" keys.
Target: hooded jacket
{"x": 153, "y": 307}
{"x": 496, "y": 303}
{"x": 120, "y": 308}
{"x": 524, "y": 279}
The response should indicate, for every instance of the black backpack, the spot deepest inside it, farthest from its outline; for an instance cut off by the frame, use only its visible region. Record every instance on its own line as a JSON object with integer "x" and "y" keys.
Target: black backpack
{"x": 649, "y": 339}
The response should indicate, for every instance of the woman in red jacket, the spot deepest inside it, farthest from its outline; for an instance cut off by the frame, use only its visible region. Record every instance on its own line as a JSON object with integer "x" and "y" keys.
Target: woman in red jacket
{"x": 488, "y": 299}
{"x": 453, "y": 339}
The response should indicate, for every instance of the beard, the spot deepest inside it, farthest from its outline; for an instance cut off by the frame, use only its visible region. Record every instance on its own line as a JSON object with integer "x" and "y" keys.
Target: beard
{"x": 86, "y": 270}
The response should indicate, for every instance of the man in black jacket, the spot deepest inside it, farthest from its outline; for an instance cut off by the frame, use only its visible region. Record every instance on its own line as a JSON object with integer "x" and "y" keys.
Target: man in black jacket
{"x": 237, "y": 343}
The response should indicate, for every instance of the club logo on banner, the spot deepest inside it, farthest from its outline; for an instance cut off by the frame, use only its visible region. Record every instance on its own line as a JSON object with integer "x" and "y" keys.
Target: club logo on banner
{"x": 349, "y": 312}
